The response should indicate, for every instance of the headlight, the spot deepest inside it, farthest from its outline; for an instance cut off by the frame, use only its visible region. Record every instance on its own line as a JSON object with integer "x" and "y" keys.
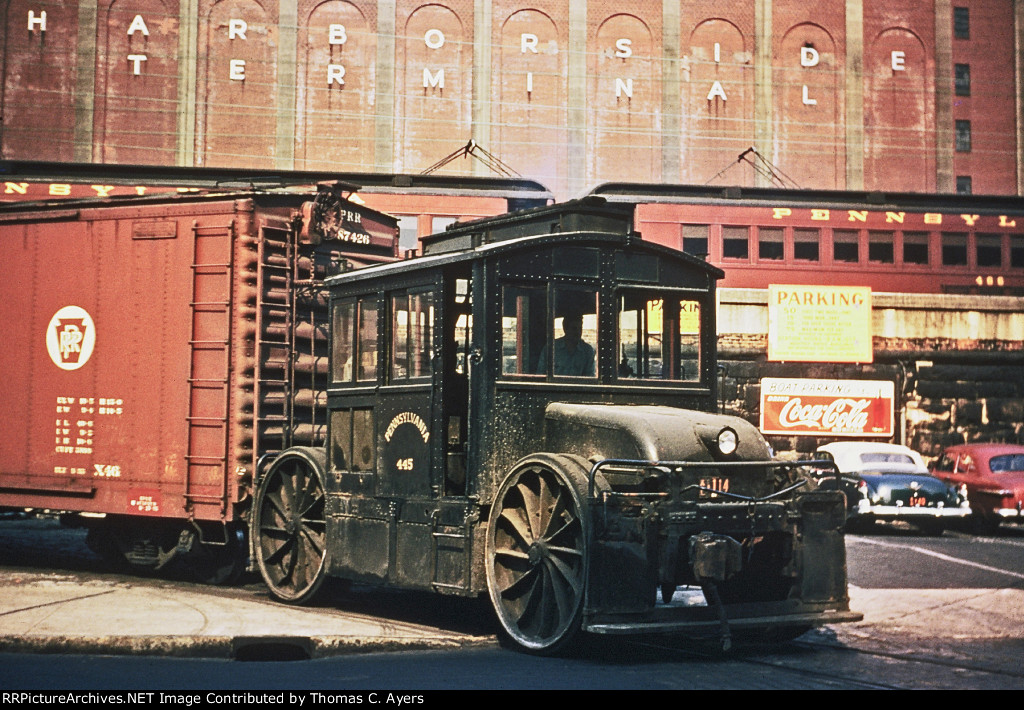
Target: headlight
{"x": 727, "y": 441}
{"x": 720, "y": 441}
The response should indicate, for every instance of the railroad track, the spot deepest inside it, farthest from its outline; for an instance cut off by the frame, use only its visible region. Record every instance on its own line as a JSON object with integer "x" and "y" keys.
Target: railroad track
{"x": 823, "y": 665}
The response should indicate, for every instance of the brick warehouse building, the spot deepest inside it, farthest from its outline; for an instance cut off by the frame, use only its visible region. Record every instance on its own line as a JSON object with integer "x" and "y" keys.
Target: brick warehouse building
{"x": 838, "y": 94}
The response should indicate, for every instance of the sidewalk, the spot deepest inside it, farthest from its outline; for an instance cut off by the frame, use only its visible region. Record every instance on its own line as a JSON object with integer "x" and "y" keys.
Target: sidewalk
{"x": 62, "y": 612}
{"x": 55, "y": 612}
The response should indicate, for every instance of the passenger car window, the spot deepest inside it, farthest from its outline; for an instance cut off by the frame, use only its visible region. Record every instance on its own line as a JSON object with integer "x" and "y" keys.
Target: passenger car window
{"x": 965, "y": 464}
{"x": 1010, "y": 462}
{"x": 885, "y": 458}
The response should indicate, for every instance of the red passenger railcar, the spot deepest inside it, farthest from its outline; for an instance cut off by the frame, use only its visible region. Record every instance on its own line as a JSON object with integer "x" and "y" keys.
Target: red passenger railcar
{"x": 905, "y": 243}
{"x": 156, "y": 348}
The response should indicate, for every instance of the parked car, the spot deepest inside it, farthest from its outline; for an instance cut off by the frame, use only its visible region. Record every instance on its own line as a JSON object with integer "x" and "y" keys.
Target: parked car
{"x": 994, "y": 477}
{"x": 891, "y": 482}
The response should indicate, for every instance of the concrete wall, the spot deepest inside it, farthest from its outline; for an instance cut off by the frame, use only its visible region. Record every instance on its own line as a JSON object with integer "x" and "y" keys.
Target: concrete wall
{"x": 957, "y": 363}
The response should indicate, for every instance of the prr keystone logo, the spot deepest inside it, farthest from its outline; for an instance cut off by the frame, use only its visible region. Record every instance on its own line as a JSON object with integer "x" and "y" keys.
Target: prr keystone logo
{"x": 70, "y": 337}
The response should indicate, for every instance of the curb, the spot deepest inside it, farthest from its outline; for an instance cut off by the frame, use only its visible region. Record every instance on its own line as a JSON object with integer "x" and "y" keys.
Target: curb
{"x": 242, "y": 648}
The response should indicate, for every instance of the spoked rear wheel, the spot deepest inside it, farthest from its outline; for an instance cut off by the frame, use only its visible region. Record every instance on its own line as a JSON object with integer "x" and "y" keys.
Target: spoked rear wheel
{"x": 537, "y": 553}
{"x": 290, "y": 526}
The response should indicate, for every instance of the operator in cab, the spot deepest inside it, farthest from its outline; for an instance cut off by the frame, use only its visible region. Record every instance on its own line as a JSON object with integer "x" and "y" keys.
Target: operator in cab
{"x": 574, "y": 357}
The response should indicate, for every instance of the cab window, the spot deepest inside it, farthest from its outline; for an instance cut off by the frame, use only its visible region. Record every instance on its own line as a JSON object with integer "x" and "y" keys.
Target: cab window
{"x": 354, "y": 326}
{"x": 343, "y": 326}
{"x": 549, "y": 332}
{"x": 412, "y": 330}
{"x": 523, "y": 314}
{"x": 572, "y": 334}
{"x": 658, "y": 336}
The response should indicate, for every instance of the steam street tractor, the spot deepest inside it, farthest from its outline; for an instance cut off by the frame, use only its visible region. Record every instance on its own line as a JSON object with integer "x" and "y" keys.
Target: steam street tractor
{"x": 528, "y": 410}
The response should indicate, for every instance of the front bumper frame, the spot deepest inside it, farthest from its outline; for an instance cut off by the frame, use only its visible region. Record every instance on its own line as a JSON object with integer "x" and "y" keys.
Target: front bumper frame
{"x": 640, "y": 536}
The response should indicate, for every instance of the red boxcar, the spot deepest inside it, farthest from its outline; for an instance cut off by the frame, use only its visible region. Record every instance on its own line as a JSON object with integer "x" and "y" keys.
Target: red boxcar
{"x": 156, "y": 348}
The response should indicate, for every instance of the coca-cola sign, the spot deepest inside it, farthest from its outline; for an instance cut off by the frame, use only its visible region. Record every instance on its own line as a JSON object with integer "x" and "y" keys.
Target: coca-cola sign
{"x": 827, "y": 407}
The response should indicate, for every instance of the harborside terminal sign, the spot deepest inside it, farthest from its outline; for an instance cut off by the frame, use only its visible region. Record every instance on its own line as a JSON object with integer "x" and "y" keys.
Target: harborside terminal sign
{"x": 827, "y": 407}
{"x": 819, "y": 324}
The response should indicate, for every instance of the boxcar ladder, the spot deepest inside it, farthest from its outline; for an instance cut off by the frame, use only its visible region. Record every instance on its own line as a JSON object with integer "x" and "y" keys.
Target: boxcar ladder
{"x": 209, "y": 369}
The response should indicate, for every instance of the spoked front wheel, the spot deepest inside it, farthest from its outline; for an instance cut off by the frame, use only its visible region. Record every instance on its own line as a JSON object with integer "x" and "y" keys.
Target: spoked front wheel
{"x": 290, "y": 526}
{"x": 537, "y": 552}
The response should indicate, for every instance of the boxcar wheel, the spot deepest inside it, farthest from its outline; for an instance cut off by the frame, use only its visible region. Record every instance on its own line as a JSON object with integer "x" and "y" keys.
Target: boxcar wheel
{"x": 220, "y": 564}
{"x": 290, "y": 526}
{"x": 537, "y": 552}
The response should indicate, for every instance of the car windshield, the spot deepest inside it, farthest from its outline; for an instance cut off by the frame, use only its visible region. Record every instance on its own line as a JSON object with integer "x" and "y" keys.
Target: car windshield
{"x": 1009, "y": 462}
{"x": 886, "y": 458}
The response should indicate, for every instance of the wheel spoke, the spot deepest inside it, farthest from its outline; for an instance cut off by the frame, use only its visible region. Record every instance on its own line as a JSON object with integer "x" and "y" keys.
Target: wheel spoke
{"x": 550, "y": 615}
{"x": 311, "y": 497}
{"x": 520, "y": 524}
{"x": 520, "y": 585}
{"x": 287, "y": 489}
{"x": 531, "y": 609}
{"x": 301, "y": 569}
{"x": 563, "y": 594}
{"x": 514, "y": 554}
{"x": 276, "y": 505}
{"x": 562, "y": 515}
{"x": 567, "y": 524}
{"x": 530, "y": 506}
{"x": 546, "y": 503}
{"x": 314, "y": 539}
{"x": 563, "y": 571}
{"x": 567, "y": 551}
{"x": 272, "y": 529}
{"x": 277, "y": 555}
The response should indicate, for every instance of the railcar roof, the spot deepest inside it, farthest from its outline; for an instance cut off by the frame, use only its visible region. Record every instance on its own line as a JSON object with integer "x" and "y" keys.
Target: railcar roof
{"x": 252, "y": 178}
{"x": 155, "y": 198}
{"x": 436, "y": 261}
{"x": 836, "y": 199}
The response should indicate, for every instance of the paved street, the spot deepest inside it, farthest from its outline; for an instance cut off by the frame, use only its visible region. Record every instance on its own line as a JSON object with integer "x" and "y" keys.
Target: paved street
{"x": 939, "y": 613}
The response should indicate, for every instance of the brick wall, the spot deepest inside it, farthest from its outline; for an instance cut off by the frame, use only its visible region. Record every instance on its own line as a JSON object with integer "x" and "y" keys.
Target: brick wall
{"x": 835, "y": 94}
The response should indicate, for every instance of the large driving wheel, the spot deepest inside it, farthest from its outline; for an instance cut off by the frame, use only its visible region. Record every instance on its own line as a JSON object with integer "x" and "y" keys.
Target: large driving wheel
{"x": 290, "y": 526}
{"x": 537, "y": 552}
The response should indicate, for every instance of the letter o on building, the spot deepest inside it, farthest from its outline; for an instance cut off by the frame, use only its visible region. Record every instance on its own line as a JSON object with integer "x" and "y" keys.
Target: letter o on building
{"x": 434, "y": 39}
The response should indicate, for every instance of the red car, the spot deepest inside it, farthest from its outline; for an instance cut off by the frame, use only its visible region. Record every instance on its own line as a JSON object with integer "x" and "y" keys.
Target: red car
{"x": 994, "y": 475}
